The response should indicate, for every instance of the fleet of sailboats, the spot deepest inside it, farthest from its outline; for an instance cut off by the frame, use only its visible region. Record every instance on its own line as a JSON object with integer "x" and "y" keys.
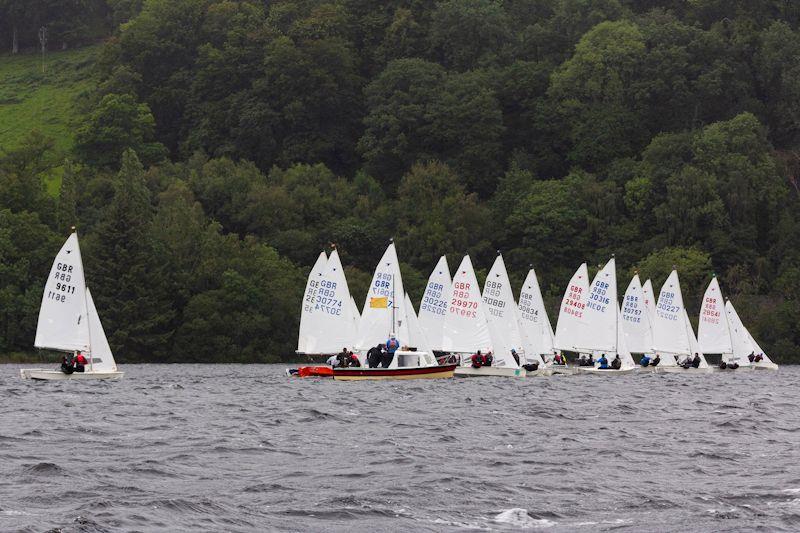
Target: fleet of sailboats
{"x": 481, "y": 331}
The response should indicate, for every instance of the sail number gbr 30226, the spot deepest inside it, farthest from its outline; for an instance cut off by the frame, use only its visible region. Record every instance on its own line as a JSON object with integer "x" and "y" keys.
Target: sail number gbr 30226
{"x": 62, "y": 288}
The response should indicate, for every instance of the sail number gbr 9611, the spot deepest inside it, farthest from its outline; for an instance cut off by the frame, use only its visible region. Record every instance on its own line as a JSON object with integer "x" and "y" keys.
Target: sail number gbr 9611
{"x": 62, "y": 288}
{"x": 461, "y": 304}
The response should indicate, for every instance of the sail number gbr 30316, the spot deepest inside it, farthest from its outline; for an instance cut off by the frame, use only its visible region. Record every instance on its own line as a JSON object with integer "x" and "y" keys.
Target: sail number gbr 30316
{"x": 62, "y": 288}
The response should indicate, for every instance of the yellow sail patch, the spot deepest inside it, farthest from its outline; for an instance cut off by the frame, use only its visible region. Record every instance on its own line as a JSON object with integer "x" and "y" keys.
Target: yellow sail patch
{"x": 379, "y": 303}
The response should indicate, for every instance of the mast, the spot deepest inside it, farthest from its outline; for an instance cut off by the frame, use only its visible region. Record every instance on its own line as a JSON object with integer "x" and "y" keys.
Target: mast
{"x": 393, "y": 328}
{"x": 85, "y": 305}
{"x": 616, "y": 310}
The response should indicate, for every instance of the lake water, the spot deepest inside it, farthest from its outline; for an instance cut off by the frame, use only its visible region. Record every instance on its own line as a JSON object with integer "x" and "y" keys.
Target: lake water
{"x": 243, "y": 448}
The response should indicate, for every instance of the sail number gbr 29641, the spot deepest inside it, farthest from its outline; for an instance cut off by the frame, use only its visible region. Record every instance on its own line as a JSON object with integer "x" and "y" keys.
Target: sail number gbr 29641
{"x": 62, "y": 287}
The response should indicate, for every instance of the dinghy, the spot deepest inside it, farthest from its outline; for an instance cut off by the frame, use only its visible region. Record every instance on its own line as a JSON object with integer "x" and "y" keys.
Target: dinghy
{"x": 635, "y": 320}
{"x": 466, "y": 328}
{"x": 765, "y": 363}
{"x": 534, "y": 325}
{"x": 326, "y": 322}
{"x": 433, "y": 307}
{"x": 386, "y": 313}
{"x": 672, "y": 332}
{"x": 713, "y": 327}
{"x": 602, "y": 320}
{"x": 68, "y": 320}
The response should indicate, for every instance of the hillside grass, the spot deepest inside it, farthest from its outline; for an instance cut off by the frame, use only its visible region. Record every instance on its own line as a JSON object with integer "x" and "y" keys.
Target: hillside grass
{"x": 45, "y": 101}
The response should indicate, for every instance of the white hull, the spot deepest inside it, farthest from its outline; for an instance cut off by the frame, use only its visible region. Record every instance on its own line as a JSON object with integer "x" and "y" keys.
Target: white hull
{"x": 742, "y": 368}
{"x": 765, "y": 366}
{"x": 646, "y": 369}
{"x": 540, "y": 372}
{"x": 681, "y": 370}
{"x": 489, "y": 371}
{"x": 595, "y": 370}
{"x": 55, "y": 375}
{"x": 563, "y": 370}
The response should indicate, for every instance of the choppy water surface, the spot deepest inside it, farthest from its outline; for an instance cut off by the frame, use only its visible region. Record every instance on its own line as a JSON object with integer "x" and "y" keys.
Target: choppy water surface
{"x": 242, "y": 448}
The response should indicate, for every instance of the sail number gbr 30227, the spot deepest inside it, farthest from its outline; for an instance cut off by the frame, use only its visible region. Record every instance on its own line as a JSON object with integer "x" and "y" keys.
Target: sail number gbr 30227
{"x": 62, "y": 287}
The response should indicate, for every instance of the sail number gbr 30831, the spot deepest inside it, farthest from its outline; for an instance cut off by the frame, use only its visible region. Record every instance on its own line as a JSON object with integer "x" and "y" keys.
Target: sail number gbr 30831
{"x": 62, "y": 288}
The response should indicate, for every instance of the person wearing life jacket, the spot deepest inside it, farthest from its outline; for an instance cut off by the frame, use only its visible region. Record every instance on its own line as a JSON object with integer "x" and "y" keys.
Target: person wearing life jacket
{"x": 558, "y": 359}
{"x": 392, "y": 345}
{"x": 353, "y": 360}
{"x": 67, "y": 364}
{"x": 759, "y": 358}
{"x": 686, "y": 363}
{"x": 723, "y": 365}
{"x": 645, "y": 360}
{"x": 616, "y": 364}
{"x": 488, "y": 359}
{"x": 477, "y": 359}
{"x": 80, "y": 362}
{"x": 656, "y": 360}
{"x": 343, "y": 358}
{"x": 515, "y": 355}
{"x": 374, "y": 356}
{"x": 602, "y": 361}
{"x": 751, "y": 357}
{"x": 333, "y": 361}
{"x": 696, "y": 361}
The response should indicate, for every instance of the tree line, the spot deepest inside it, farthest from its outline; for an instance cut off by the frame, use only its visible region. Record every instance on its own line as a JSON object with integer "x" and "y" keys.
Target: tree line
{"x": 228, "y": 142}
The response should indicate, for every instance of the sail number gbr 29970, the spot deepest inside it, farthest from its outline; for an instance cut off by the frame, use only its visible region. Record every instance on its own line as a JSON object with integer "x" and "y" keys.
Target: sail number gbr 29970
{"x": 62, "y": 288}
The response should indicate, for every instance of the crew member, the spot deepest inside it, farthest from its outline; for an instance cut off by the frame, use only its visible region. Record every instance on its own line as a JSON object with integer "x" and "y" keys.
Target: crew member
{"x": 343, "y": 358}
{"x": 374, "y": 356}
{"x": 67, "y": 364}
{"x": 477, "y": 359}
{"x": 353, "y": 360}
{"x": 80, "y": 362}
{"x": 645, "y": 360}
{"x": 333, "y": 361}
{"x": 696, "y": 361}
{"x": 602, "y": 361}
{"x": 616, "y": 364}
{"x": 656, "y": 360}
{"x": 515, "y": 356}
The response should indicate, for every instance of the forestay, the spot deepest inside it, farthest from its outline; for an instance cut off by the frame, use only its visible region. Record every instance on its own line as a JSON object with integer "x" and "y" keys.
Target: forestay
{"x": 433, "y": 307}
{"x": 331, "y": 327}
{"x": 602, "y": 311}
{"x": 501, "y": 313}
{"x": 534, "y": 325}
{"x": 309, "y": 301}
{"x": 670, "y": 338}
{"x": 713, "y": 330}
{"x": 635, "y": 319}
{"x": 740, "y": 337}
{"x": 572, "y": 329}
{"x": 102, "y": 360}
{"x": 63, "y": 324}
{"x": 384, "y": 308}
{"x": 465, "y": 327}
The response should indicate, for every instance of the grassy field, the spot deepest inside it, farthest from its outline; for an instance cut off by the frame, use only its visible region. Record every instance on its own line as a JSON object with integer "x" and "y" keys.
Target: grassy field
{"x": 46, "y": 101}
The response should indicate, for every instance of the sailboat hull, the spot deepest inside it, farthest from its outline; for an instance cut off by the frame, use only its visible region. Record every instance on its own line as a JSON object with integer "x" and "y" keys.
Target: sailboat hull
{"x": 563, "y": 370}
{"x": 42, "y": 374}
{"x": 608, "y": 371}
{"x": 489, "y": 371}
{"x": 373, "y": 374}
{"x": 681, "y": 370}
{"x": 765, "y": 366}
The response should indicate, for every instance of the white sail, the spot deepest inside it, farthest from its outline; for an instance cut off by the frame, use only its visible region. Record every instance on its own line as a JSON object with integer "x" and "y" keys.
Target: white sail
{"x": 433, "y": 307}
{"x": 309, "y": 299}
{"x": 572, "y": 328}
{"x": 649, "y": 300}
{"x": 501, "y": 313}
{"x": 740, "y": 337}
{"x": 622, "y": 344}
{"x": 602, "y": 311}
{"x": 694, "y": 346}
{"x": 466, "y": 329}
{"x": 417, "y": 336}
{"x": 102, "y": 360}
{"x": 332, "y": 326}
{"x": 384, "y": 308}
{"x": 356, "y": 316}
{"x": 670, "y": 337}
{"x": 635, "y": 319}
{"x": 759, "y": 350}
{"x": 534, "y": 325}
{"x": 62, "y": 315}
{"x": 713, "y": 330}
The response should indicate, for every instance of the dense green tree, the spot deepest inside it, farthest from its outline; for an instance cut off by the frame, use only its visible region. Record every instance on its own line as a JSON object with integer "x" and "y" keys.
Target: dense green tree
{"x": 116, "y": 124}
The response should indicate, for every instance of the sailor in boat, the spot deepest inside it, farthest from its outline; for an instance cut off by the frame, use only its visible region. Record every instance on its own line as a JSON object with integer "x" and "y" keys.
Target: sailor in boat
{"x": 352, "y": 360}
{"x": 343, "y": 358}
{"x": 515, "y": 356}
{"x": 374, "y": 356}
{"x": 333, "y": 361}
{"x": 616, "y": 364}
{"x": 645, "y": 360}
{"x": 696, "y": 361}
{"x": 656, "y": 360}
{"x": 587, "y": 361}
{"x": 80, "y": 362}
{"x": 392, "y": 345}
{"x": 602, "y": 361}
{"x": 686, "y": 363}
{"x": 558, "y": 359}
{"x": 67, "y": 364}
{"x": 758, "y": 358}
{"x": 751, "y": 357}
